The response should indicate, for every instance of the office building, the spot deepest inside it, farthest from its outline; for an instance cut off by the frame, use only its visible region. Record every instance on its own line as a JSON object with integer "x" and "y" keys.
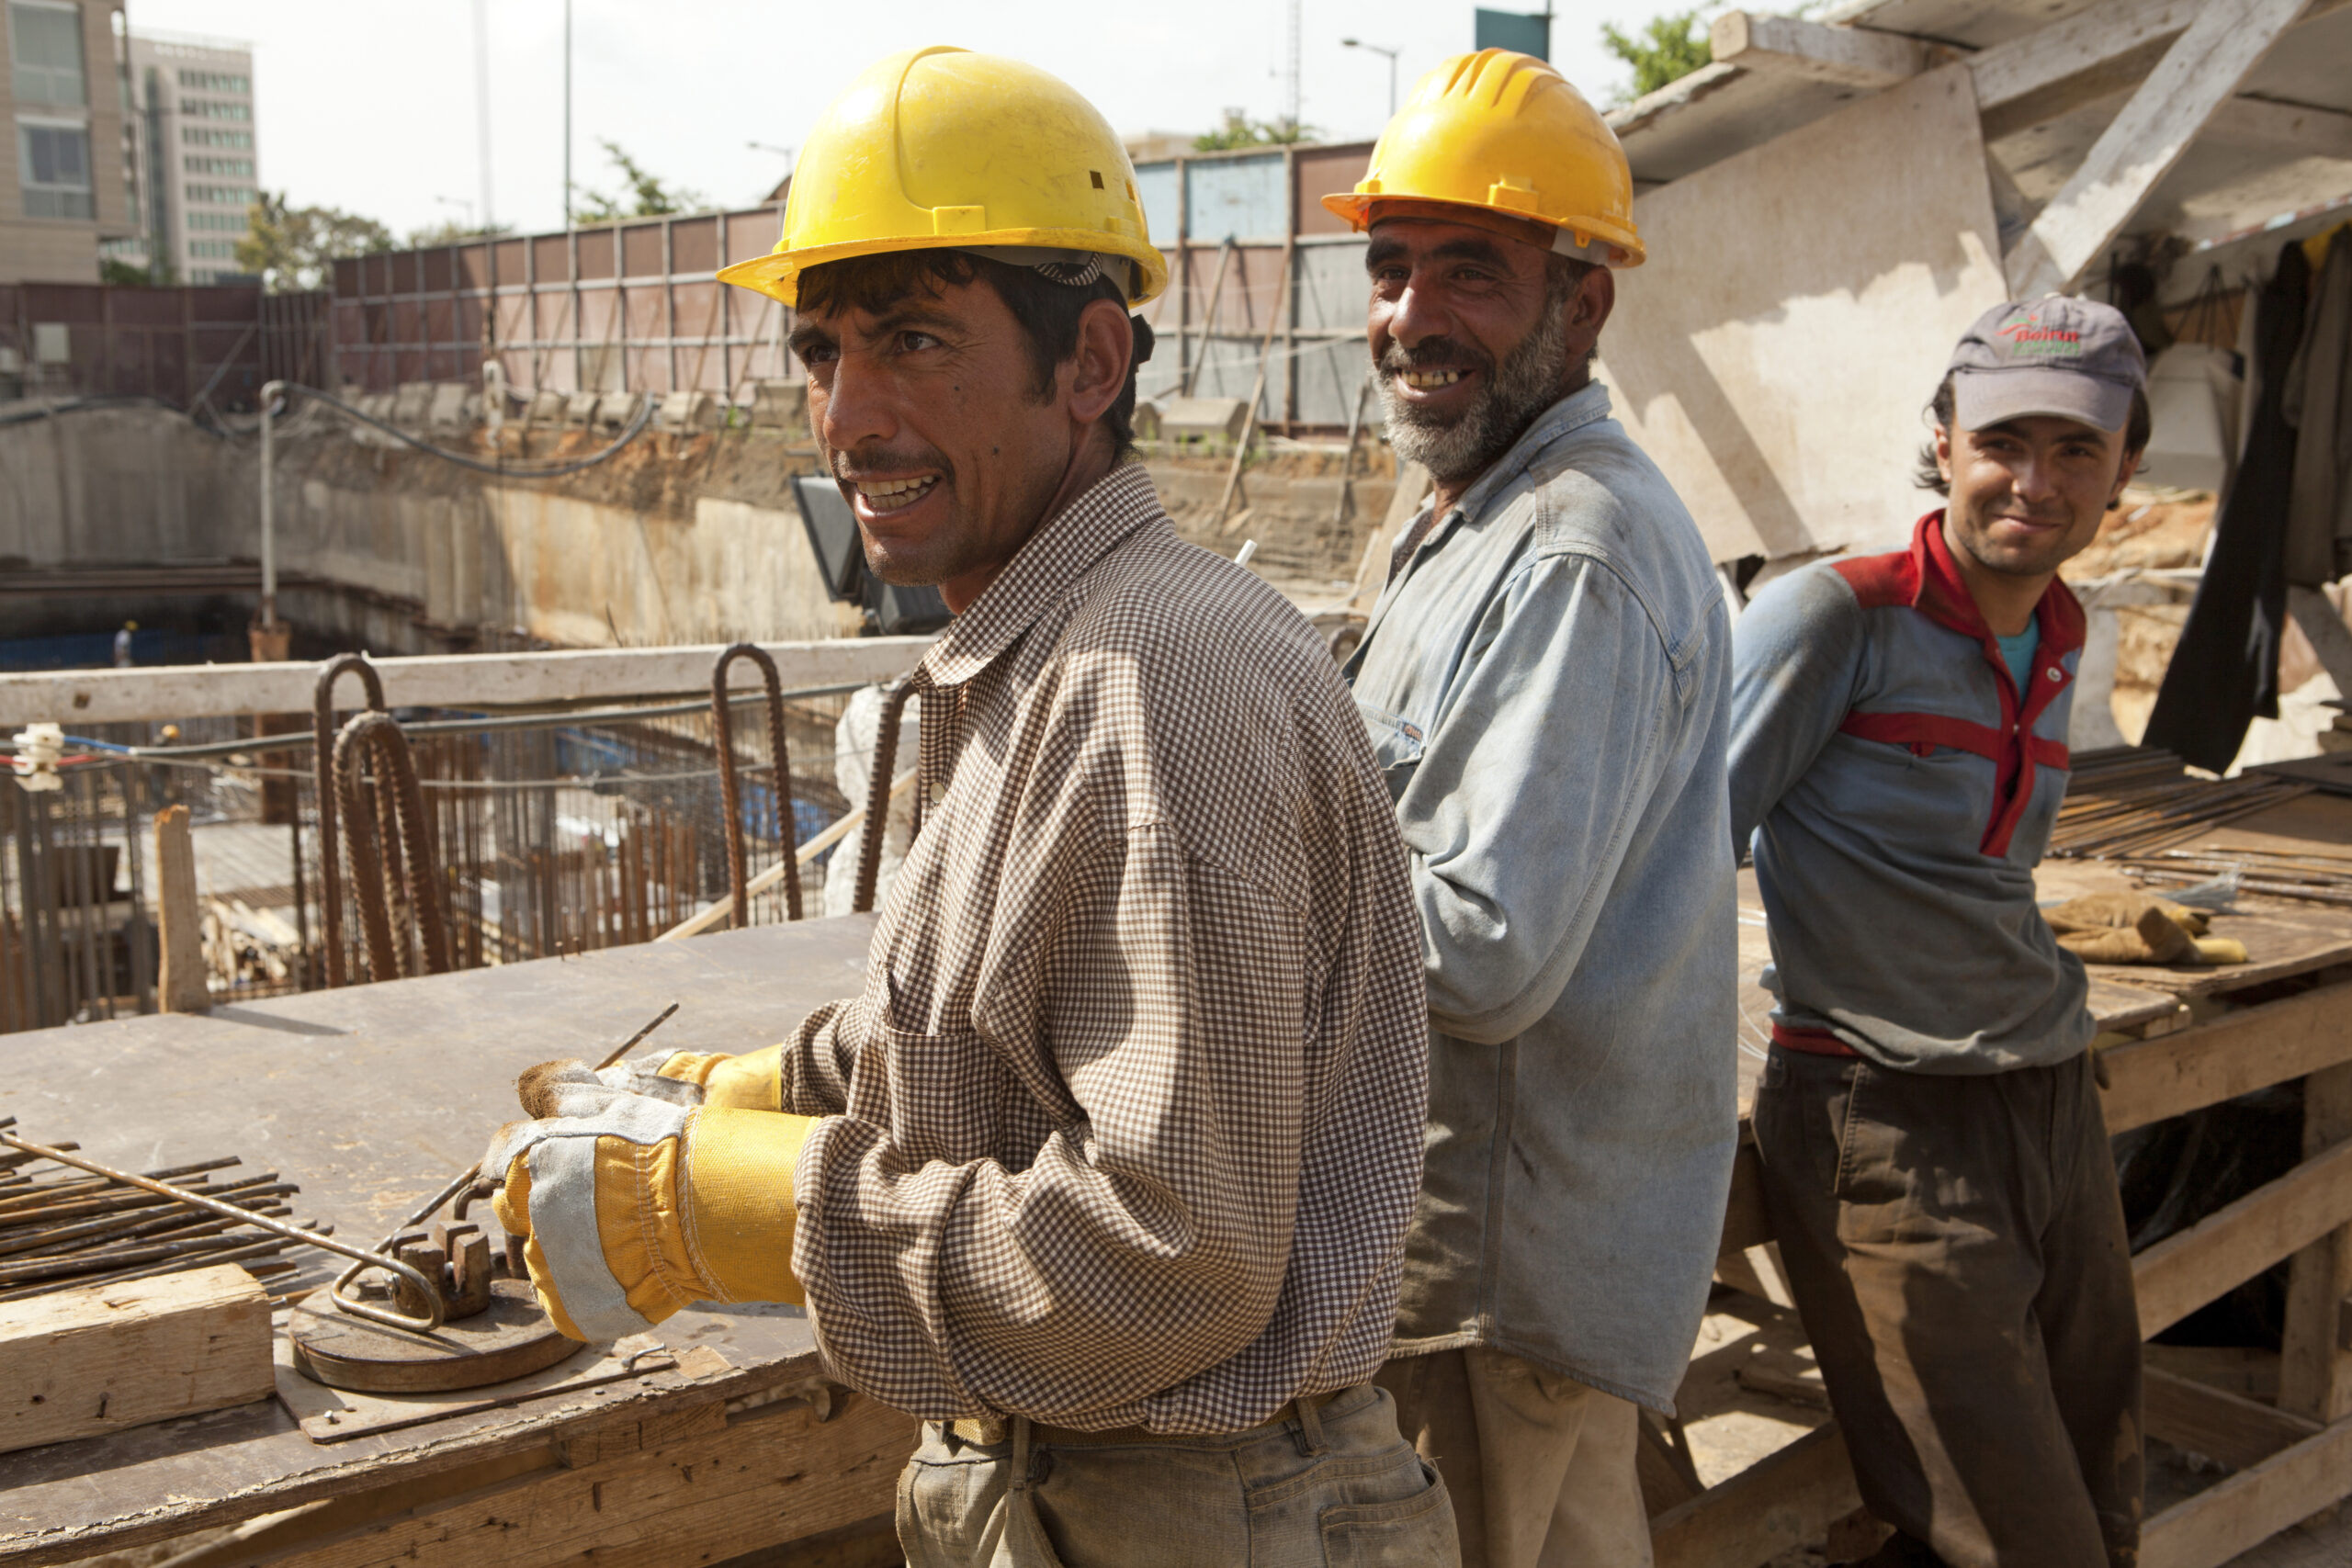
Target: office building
{"x": 65, "y": 180}
{"x": 198, "y": 167}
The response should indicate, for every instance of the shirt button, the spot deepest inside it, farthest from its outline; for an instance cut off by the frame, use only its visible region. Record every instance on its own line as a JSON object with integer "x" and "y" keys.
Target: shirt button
{"x": 2057, "y": 674}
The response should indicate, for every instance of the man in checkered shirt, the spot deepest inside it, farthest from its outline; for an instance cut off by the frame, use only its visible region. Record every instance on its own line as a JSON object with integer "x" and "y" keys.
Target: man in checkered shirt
{"x": 1106, "y": 1174}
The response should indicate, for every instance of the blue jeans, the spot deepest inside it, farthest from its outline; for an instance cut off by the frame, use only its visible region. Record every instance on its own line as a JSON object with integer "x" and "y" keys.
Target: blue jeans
{"x": 1337, "y": 1488}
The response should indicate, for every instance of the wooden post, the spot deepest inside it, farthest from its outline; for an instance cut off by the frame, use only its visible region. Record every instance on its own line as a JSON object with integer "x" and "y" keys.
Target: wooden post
{"x": 182, "y": 987}
{"x": 2314, "y": 1372}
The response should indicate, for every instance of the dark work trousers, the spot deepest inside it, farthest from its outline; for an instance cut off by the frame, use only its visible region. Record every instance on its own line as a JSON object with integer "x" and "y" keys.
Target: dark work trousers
{"x": 1956, "y": 1248}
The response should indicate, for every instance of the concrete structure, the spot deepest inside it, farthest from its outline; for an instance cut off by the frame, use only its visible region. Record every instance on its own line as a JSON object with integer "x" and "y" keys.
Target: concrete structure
{"x": 66, "y": 185}
{"x": 200, "y": 168}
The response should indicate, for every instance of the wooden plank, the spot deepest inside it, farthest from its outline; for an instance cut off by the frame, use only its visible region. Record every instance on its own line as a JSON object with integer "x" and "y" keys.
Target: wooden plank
{"x": 105, "y": 1357}
{"x": 2226, "y": 1428}
{"x": 2204, "y": 66}
{"x": 2247, "y": 1508}
{"x": 1782, "y": 1502}
{"x": 2312, "y": 133}
{"x": 181, "y": 986}
{"x": 2314, "y": 1372}
{"x": 1849, "y": 57}
{"x": 2234, "y": 1244}
{"x": 456, "y": 680}
{"x": 2236, "y": 1053}
{"x": 775, "y": 1476}
{"x": 2030, "y": 67}
{"x": 2330, "y": 639}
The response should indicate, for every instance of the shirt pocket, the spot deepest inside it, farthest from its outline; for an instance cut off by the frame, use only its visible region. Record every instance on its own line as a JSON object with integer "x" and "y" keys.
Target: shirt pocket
{"x": 1396, "y": 746}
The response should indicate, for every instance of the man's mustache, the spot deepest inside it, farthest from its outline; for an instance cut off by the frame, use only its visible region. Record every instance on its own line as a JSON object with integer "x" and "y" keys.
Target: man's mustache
{"x": 869, "y": 463}
{"x": 1433, "y": 353}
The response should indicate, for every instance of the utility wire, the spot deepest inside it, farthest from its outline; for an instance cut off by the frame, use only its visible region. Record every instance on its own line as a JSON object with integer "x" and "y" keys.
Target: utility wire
{"x": 502, "y": 468}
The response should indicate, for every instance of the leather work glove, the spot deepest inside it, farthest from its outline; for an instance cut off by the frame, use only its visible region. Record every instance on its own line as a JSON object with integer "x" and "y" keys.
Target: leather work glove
{"x": 2138, "y": 928}
{"x": 752, "y": 1082}
{"x": 638, "y": 1207}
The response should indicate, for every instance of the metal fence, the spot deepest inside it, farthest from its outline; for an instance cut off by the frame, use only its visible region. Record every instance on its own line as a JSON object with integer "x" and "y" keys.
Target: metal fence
{"x": 211, "y": 345}
{"x": 636, "y": 306}
{"x": 557, "y": 836}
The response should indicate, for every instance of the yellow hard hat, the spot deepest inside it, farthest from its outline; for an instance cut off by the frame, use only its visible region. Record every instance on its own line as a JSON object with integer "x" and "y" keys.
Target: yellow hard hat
{"x": 1505, "y": 134}
{"x": 943, "y": 149}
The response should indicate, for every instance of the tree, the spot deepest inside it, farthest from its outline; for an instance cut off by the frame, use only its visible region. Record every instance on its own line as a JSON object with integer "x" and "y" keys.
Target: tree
{"x": 293, "y": 247}
{"x": 1670, "y": 47}
{"x": 1240, "y": 130}
{"x": 644, "y": 194}
{"x": 455, "y": 231}
{"x": 122, "y": 275}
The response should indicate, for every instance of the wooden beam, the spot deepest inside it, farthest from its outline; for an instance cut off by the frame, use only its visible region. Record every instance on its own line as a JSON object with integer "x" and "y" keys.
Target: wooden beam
{"x": 771, "y": 1476}
{"x": 183, "y": 985}
{"x": 83, "y": 1363}
{"x": 1782, "y": 1502}
{"x": 457, "y": 680}
{"x": 2078, "y": 54}
{"x": 2234, "y": 1244}
{"x": 2311, "y": 131}
{"x": 2236, "y": 1053}
{"x": 2240, "y": 1513}
{"x": 2228, "y": 1429}
{"x": 2314, "y": 1372}
{"x": 2144, "y": 142}
{"x": 2330, "y": 637}
{"x": 1846, "y": 57}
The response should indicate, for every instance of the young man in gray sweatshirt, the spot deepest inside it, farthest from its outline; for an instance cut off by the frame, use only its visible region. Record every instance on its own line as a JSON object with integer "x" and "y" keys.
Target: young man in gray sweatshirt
{"x": 1936, "y": 1165}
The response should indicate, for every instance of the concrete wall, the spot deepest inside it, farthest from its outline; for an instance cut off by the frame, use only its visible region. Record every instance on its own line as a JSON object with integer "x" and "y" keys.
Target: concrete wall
{"x": 673, "y": 541}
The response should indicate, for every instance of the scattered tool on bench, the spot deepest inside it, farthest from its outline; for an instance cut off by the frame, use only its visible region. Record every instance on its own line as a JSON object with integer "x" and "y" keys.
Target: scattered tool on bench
{"x": 487, "y": 1325}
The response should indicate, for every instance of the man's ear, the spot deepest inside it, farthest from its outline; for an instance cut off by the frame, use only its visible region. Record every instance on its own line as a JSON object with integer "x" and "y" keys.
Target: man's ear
{"x": 1595, "y": 297}
{"x": 1106, "y": 346}
{"x": 2124, "y": 477}
{"x": 1943, "y": 453}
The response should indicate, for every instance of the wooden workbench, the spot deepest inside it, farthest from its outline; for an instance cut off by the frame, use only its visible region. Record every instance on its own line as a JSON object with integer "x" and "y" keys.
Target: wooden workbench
{"x": 2174, "y": 1040}
{"x": 371, "y": 1098}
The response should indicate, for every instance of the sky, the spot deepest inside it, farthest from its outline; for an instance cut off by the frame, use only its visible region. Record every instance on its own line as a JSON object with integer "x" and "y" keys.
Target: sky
{"x": 372, "y": 108}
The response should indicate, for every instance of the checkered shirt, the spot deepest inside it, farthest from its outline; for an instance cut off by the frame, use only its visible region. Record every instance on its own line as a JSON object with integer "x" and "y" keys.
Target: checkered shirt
{"x": 1125, "y": 1128}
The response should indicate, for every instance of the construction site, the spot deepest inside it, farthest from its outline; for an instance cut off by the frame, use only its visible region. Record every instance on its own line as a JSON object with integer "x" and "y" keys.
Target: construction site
{"x": 471, "y": 662}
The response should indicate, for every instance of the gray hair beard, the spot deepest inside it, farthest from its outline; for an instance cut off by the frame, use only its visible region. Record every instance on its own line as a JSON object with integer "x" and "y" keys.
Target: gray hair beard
{"x": 1527, "y": 382}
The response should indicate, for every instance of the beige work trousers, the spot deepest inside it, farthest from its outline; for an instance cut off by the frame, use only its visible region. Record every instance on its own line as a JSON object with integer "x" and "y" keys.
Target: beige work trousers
{"x": 1539, "y": 1466}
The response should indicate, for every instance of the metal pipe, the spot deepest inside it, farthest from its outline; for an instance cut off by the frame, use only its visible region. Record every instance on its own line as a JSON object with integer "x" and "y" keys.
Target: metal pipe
{"x": 390, "y": 1319}
{"x": 730, "y": 793}
{"x": 269, "y": 396}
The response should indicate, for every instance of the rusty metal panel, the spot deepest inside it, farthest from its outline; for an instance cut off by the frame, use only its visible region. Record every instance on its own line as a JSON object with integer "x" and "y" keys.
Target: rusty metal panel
{"x": 641, "y": 251}
{"x": 693, "y": 245}
{"x": 473, "y": 266}
{"x": 550, "y": 259}
{"x": 439, "y": 273}
{"x": 753, "y": 232}
{"x": 595, "y": 252}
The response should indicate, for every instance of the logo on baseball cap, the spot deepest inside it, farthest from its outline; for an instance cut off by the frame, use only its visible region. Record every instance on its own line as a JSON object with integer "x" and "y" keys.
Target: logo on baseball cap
{"x": 2075, "y": 358}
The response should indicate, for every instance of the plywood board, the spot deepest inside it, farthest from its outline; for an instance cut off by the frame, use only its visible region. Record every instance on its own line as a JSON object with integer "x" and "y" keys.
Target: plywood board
{"x": 1798, "y": 307}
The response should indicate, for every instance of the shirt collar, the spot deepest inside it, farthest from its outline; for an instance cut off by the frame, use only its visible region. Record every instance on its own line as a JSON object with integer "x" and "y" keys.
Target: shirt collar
{"x": 1944, "y": 597}
{"x": 1055, "y": 556}
{"x": 1571, "y": 413}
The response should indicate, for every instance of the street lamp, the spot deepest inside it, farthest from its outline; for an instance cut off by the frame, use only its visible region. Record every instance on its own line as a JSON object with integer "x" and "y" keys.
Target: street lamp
{"x": 783, "y": 153}
{"x": 1392, "y": 54}
{"x": 458, "y": 201}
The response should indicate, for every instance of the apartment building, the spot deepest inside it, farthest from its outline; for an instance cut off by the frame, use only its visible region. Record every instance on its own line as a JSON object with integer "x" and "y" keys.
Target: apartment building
{"x": 64, "y": 174}
{"x": 199, "y": 170}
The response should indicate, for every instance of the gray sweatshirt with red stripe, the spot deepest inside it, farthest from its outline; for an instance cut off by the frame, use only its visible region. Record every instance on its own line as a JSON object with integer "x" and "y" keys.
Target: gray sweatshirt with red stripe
{"x": 1898, "y": 790}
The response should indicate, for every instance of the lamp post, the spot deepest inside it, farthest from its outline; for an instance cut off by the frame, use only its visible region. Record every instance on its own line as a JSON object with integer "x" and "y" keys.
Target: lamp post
{"x": 783, "y": 153}
{"x": 1392, "y": 54}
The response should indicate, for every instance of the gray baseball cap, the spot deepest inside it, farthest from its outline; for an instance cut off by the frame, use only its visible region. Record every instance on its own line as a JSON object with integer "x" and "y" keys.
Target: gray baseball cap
{"x": 2075, "y": 358}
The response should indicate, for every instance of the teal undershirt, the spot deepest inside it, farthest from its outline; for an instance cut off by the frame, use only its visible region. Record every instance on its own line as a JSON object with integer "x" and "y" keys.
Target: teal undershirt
{"x": 2017, "y": 651}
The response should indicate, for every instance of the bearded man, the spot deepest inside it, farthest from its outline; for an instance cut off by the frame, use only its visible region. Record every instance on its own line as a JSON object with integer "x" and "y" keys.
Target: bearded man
{"x": 1547, "y": 680}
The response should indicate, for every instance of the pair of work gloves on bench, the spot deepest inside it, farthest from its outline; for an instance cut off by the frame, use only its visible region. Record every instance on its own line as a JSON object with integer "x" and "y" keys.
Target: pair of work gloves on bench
{"x": 650, "y": 1185}
{"x": 2138, "y": 928}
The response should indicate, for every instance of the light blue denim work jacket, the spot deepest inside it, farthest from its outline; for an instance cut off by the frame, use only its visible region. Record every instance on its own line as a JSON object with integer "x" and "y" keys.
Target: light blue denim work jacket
{"x": 1547, "y": 684}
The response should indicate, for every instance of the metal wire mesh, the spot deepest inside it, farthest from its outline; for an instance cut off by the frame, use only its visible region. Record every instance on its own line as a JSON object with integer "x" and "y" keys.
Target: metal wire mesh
{"x": 548, "y": 841}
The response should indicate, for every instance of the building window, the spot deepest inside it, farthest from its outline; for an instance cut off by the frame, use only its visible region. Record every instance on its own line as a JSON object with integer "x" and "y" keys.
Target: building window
{"x": 221, "y": 196}
{"x": 45, "y": 42}
{"x": 215, "y": 81}
{"x": 55, "y": 162}
{"x": 217, "y": 250}
{"x": 235, "y": 166}
{"x": 202, "y": 136}
{"x": 205, "y": 109}
{"x": 220, "y": 223}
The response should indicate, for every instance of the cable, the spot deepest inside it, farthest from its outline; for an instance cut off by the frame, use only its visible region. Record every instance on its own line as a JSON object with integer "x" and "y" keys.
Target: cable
{"x": 502, "y": 469}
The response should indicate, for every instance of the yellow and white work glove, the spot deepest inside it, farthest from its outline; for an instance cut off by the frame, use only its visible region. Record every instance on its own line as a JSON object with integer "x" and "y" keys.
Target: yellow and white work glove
{"x": 750, "y": 1082}
{"x": 635, "y": 1208}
